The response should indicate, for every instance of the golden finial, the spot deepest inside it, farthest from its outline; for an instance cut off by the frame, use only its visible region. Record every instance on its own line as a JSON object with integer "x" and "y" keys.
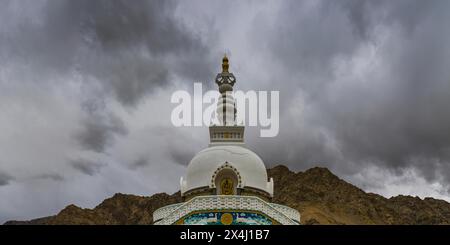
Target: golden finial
{"x": 225, "y": 63}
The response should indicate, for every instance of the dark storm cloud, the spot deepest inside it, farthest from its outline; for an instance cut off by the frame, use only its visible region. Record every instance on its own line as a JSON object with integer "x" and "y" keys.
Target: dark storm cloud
{"x": 365, "y": 15}
{"x": 181, "y": 156}
{"x": 51, "y": 176}
{"x": 86, "y": 166}
{"x": 396, "y": 116}
{"x": 182, "y": 149}
{"x": 140, "y": 162}
{"x": 129, "y": 48}
{"x": 99, "y": 129}
{"x": 5, "y": 178}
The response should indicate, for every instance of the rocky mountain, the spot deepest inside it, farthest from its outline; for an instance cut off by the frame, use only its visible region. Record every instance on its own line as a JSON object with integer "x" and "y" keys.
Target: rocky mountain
{"x": 320, "y": 196}
{"x": 323, "y": 198}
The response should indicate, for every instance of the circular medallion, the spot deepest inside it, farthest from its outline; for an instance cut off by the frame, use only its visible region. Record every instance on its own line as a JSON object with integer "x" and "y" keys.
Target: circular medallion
{"x": 226, "y": 219}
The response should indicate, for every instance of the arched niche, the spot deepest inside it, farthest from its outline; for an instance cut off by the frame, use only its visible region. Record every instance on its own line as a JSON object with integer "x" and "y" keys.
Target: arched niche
{"x": 226, "y": 180}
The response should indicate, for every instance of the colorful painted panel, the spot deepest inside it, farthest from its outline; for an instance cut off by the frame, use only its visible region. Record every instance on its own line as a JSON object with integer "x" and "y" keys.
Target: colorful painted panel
{"x": 226, "y": 218}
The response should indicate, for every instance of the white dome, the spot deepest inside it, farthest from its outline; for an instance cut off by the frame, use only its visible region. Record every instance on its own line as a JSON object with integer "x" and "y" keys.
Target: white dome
{"x": 249, "y": 166}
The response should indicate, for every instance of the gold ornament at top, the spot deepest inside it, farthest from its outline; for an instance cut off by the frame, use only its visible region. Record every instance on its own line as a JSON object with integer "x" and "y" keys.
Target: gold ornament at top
{"x": 225, "y": 64}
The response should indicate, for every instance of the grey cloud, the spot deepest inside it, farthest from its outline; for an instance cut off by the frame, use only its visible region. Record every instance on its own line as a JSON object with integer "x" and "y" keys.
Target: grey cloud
{"x": 184, "y": 148}
{"x": 140, "y": 162}
{"x": 395, "y": 116}
{"x": 87, "y": 166}
{"x": 365, "y": 15}
{"x": 51, "y": 176}
{"x": 304, "y": 39}
{"x": 181, "y": 156}
{"x": 5, "y": 178}
{"x": 99, "y": 131}
{"x": 130, "y": 49}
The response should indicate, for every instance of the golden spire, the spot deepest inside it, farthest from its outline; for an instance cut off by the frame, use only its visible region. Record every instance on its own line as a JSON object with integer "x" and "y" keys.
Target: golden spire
{"x": 225, "y": 63}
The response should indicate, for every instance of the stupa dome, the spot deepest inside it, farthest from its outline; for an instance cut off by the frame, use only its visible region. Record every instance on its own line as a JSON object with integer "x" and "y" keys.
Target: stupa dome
{"x": 248, "y": 167}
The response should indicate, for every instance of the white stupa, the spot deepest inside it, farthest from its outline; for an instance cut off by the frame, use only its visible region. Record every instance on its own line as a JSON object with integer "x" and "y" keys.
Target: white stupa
{"x": 226, "y": 183}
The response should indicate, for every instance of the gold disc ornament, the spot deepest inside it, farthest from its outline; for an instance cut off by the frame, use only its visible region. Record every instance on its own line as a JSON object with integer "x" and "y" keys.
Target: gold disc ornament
{"x": 226, "y": 219}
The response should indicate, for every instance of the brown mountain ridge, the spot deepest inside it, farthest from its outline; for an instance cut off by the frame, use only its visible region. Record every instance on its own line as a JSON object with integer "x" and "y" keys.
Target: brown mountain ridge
{"x": 320, "y": 196}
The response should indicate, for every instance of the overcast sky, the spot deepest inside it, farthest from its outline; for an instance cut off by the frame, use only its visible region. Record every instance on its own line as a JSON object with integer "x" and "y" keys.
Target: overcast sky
{"x": 85, "y": 91}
